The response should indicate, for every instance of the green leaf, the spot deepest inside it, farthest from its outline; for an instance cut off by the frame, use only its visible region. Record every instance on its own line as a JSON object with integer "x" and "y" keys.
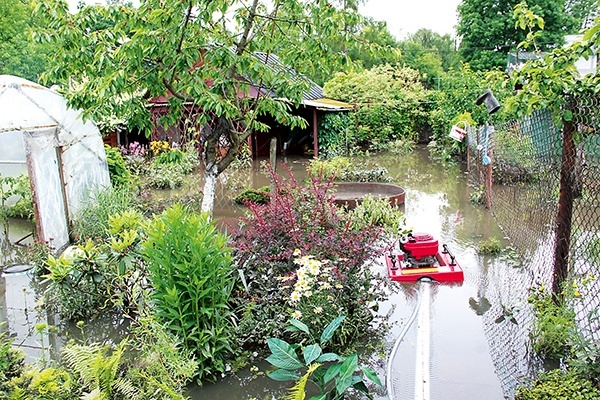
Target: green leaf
{"x": 568, "y": 115}
{"x": 283, "y": 375}
{"x": 300, "y": 325}
{"x": 326, "y": 357}
{"x": 348, "y": 367}
{"x": 332, "y": 372}
{"x": 331, "y": 328}
{"x": 283, "y": 355}
{"x": 371, "y": 375}
{"x": 319, "y": 397}
{"x": 311, "y": 353}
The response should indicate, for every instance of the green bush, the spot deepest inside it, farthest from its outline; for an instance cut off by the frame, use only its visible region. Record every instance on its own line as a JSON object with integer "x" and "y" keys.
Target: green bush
{"x": 11, "y": 361}
{"x": 332, "y": 374}
{"x": 165, "y": 176}
{"x": 378, "y": 212}
{"x": 390, "y": 103}
{"x": 553, "y": 326}
{"x": 558, "y": 385}
{"x": 117, "y": 168}
{"x": 336, "y": 135}
{"x": 92, "y": 277}
{"x": 490, "y": 246}
{"x": 341, "y": 169}
{"x": 260, "y": 195}
{"x": 46, "y": 384}
{"x": 190, "y": 269}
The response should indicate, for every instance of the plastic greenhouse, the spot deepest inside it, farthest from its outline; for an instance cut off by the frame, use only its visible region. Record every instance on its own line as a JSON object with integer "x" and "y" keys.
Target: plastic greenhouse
{"x": 63, "y": 155}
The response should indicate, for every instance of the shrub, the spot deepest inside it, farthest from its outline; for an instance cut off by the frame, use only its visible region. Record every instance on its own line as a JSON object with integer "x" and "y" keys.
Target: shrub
{"x": 190, "y": 269}
{"x": 304, "y": 219}
{"x": 490, "y": 246}
{"x": 553, "y": 326}
{"x": 260, "y": 195}
{"x": 341, "y": 169}
{"x": 117, "y": 168}
{"x": 49, "y": 383}
{"x": 163, "y": 176}
{"x": 92, "y": 277}
{"x": 557, "y": 384}
{"x": 378, "y": 212}
{"x": 329, "y": 169}
{"x": 11, "y": 360}
{"x": 21, "y": 189}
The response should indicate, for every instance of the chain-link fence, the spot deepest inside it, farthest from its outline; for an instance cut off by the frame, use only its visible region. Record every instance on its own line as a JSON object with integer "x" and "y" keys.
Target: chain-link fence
{"x": 542, "y": 184}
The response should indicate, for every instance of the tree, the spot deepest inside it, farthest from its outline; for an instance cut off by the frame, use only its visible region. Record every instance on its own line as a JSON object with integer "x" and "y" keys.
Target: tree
{"x": 584, "y": 12}
{"x": 203, "y": 53}
{"x": 375, "y": 35}
{"x": 20, "y": 56}
{"x": 488, "y": 31}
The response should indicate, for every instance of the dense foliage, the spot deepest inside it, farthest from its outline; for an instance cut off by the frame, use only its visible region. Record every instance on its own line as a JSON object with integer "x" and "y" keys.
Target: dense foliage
{"x": 21, "y": 56}
{"x": 388, "y": 103}
{"x": 488, "y": 30}
{"x": 332, "y": 374}
{"x": 557, "y": 384}
{"x": 301, "y": 225}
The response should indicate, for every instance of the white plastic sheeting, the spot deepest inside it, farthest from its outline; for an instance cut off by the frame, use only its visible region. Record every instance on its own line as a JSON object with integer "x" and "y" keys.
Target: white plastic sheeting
{"x": 64, "y": 156}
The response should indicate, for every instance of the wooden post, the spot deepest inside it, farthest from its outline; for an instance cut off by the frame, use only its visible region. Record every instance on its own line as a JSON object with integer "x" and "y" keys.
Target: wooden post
{"x": 273, "y": 160}
{"x": 564, "y": 214}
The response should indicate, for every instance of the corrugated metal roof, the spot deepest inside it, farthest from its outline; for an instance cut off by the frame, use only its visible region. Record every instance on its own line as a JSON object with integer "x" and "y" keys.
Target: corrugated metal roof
{"x": 272, "y": 61}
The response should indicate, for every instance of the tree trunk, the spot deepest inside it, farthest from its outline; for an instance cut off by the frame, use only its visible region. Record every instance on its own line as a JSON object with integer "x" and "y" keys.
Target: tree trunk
{"x": 210, "y": 185}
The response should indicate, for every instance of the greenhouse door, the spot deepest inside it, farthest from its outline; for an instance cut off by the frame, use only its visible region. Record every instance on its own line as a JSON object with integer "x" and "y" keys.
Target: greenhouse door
{"x": 45, "y": 173}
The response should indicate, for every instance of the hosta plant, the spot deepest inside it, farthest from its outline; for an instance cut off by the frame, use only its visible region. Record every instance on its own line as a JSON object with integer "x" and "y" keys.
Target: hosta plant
{"x": 332, "y": 374}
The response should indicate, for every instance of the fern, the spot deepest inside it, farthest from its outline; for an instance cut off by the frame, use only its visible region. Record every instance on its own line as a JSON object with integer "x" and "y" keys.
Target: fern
{"x": 298, "y": 391}
{"x": 98, "y": 370}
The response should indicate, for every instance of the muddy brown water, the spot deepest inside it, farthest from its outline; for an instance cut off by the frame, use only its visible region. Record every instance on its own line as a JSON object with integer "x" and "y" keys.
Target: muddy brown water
{"x": 475, "y": 353}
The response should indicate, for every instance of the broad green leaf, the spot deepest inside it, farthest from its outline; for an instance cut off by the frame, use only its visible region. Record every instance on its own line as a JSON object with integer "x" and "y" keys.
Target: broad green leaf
{"x": 348, "y": 367}
{"x": 332, "y": 372}
{"x": 283, "y": 355}
{"x": 300, "y": 325}
{"x": 371, "y": 375}
{"x": 283, "y": 375}
{"x": 331, "y": 328}
{"x": 328, "y": 357}
{"x": 311, "y": 353}
{"x": 319, "y": 397}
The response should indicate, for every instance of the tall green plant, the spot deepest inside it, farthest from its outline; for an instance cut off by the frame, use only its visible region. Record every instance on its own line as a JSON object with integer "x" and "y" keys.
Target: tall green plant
{"x": 190, "y": 269}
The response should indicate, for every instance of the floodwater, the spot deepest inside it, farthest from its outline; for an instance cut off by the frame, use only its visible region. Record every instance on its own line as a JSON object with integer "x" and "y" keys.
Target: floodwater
{"x": 474, "y": 335}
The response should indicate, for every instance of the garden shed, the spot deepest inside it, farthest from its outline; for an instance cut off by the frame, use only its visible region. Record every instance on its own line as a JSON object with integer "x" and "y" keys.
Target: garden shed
{"x": 63, "y": 156}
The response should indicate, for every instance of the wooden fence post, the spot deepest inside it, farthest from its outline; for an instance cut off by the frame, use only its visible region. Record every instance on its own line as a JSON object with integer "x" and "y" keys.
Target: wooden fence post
{"x": 564, "y": 215}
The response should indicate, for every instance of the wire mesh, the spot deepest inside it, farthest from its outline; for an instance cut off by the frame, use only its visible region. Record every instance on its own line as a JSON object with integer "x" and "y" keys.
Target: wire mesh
{"x": 519, "y": 166}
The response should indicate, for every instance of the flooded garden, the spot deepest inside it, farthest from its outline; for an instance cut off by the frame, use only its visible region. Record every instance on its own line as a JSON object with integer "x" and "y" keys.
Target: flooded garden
{"x": 472, "y": 330}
